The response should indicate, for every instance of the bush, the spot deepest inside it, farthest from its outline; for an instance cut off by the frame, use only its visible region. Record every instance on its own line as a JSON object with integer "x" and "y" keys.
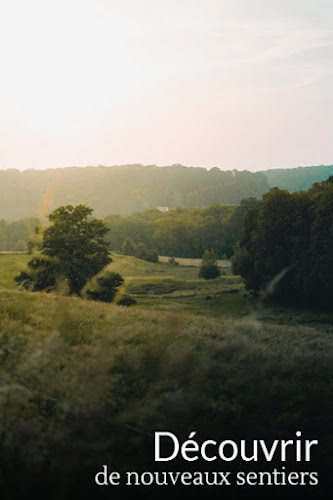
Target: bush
{"x": 152, "y": 255}
{"x": 126, "y": 300}
{"x": 173, "y": 261}
{"x": 141, "y": 251}
{"x": 209, "y": 272}
{"x": 106, "y": 287}
{"x": 42, "y": 274}
{"x": 209, "y": 269}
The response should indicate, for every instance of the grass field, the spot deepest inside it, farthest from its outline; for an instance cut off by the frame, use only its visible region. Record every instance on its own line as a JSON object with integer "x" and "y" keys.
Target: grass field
{"x": 84, "y": 383}
{"x": 193, "y": 262}
{"x": 164, "y": 287}
{"x": 11, "y": 264}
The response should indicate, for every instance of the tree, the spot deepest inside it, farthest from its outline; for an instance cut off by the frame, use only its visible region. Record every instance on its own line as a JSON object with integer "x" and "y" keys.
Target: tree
{"x": 73, "y": 248}
{"x": 128, "y": 247}
{"x": 169, "y": 232}
{"x": 35, "y": 241}
{"x": 152, "y": 255}
{"x": 141, "y": 251}
{"x": 285, "y": 247}
{"x": 209, "y": 268}
{"x": 264, "y": 248}
{"x": 233, "y": 223}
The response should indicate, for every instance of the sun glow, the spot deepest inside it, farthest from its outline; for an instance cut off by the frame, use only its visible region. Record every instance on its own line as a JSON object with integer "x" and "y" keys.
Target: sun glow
{"x": 103, "y": 81}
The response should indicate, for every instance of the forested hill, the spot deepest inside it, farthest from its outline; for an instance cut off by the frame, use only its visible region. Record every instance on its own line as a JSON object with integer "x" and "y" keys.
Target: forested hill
{"x": 297, "y": 179}
{"x": 122, "y": 189}
{"x": 130, "y": 188}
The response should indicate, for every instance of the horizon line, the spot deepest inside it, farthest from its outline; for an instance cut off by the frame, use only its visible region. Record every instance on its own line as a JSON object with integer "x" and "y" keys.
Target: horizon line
{"x": 160, "y": 166}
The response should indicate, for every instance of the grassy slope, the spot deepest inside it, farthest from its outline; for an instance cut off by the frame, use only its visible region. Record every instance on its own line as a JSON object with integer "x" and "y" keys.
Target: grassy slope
{"x": 101, "y": 378}
{"x": 164, "y": 287}
{"x": 11, "y": 264}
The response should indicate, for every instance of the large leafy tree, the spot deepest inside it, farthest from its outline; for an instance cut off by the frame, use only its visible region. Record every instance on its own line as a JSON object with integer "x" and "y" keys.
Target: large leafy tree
{"x": 285, "y": 248}
{"x": 73, "y": 248}
{"x": 233, "y": 223}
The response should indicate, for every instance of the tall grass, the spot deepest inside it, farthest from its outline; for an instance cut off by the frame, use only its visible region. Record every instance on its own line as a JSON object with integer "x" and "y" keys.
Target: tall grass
{"x": 85, "y": 383}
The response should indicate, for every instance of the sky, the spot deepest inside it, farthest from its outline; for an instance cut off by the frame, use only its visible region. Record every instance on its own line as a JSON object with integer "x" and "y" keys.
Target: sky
{"x": 241, "y": 84}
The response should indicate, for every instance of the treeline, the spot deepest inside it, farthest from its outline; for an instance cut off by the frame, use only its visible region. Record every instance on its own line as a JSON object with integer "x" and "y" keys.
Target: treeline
{"x": 122, "y": 189}
{"x": 180, "y": 232}
{"x": 14, "y": 236}
{"x": 183, "y": 231}
{"x": 297, "y": 179}
{"x": 285, "y": 249}
{"x": 128, "y": 189}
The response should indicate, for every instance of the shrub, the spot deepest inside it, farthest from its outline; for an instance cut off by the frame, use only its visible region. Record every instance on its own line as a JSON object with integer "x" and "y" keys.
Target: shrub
{"x": 209, "y": 269}
{"x": 152, "y": 255}
{"x": 141, "y": 251}
{"x": 173, "y": 261}
{"x": 42, "y": 274}
{"x": 126, "y": 300}
{"x": 209, "y": 272}
{"x": 106, "y": 287}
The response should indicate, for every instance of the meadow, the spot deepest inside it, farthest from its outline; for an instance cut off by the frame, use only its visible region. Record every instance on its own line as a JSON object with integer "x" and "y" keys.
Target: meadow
{"x": 85, "y": 383}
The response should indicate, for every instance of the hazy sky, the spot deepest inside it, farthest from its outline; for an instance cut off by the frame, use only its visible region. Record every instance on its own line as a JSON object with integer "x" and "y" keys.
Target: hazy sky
{"x": 244, "y": 84}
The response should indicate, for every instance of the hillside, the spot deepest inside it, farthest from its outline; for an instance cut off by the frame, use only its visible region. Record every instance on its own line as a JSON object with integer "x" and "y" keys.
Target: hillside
{"x": 129, "y": 188}
{"x": 86, "y": 383}
{"x": 122, "y": 189}
{"x": 297, "y": 179}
